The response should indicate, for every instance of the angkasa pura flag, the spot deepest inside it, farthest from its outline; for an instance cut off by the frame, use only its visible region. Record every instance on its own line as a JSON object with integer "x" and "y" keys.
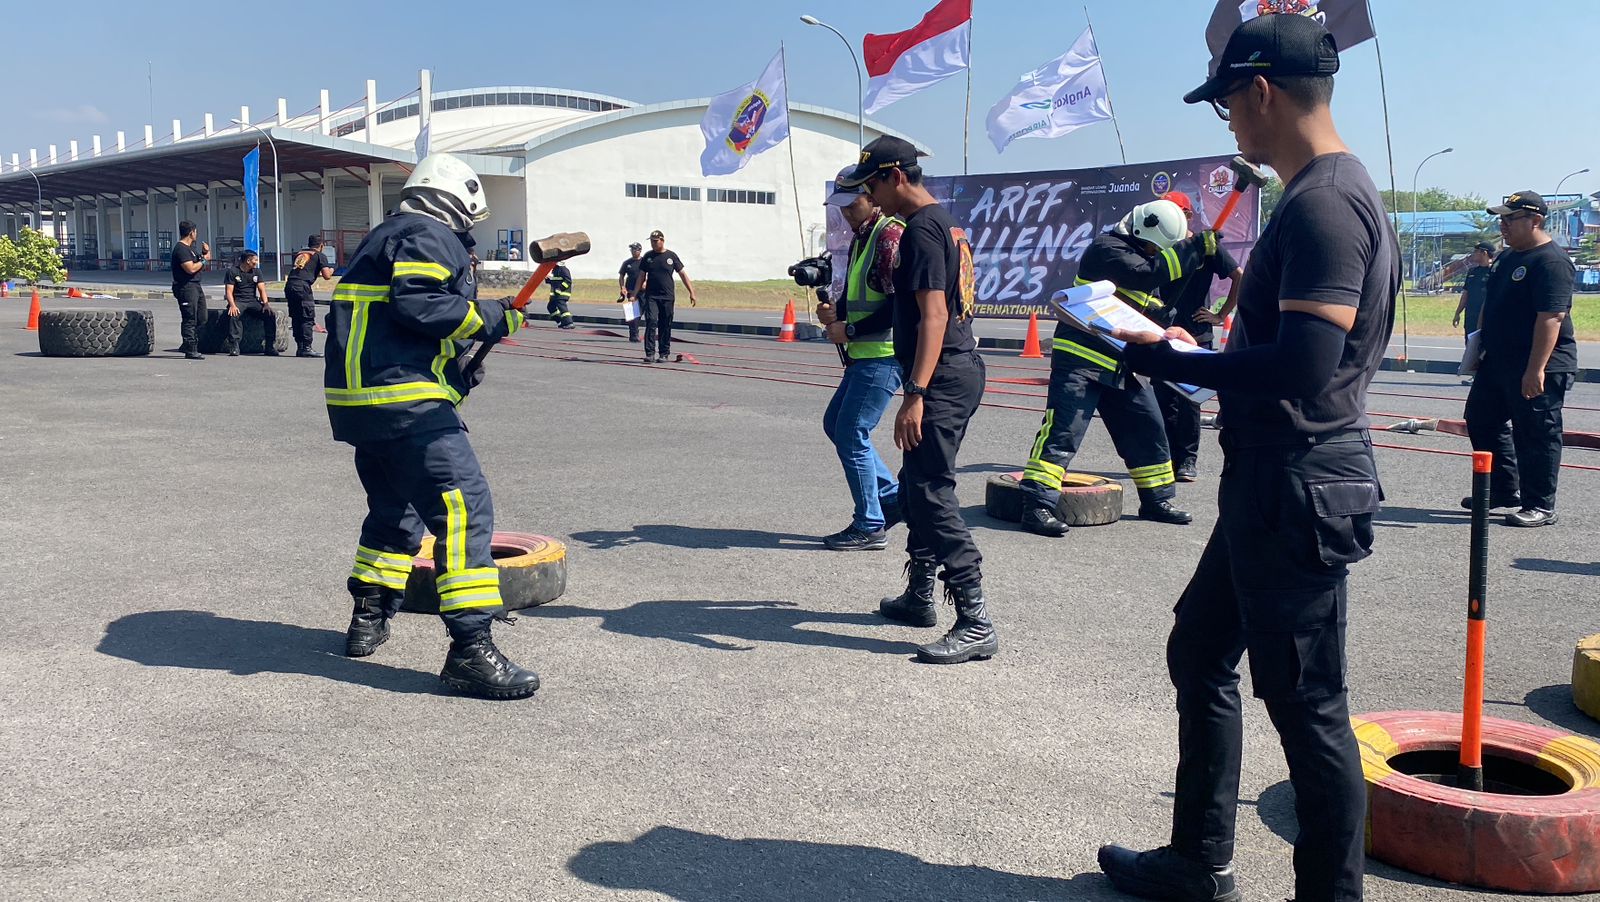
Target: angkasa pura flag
{"x": 901, "y": 64}
{"x": 1349, "y": 21}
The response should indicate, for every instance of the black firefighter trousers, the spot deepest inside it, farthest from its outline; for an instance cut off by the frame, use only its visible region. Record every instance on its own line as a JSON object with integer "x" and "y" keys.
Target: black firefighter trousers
{"x": 935, "y": 531}
{"x": 433, "y": 481}
{"x": 1271, "y": 581}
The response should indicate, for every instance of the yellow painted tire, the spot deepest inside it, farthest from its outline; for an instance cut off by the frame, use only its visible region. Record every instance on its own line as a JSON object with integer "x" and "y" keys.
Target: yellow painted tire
{"x": 1085, "y": 500}
{"x": 533, "y": 571}
{"x": 1586, "y": 676}
{"x": 1522, "y": 843}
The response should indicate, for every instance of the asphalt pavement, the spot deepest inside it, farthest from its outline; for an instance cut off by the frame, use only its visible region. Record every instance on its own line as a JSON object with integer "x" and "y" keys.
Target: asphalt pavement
{"x": 724, "y": 717}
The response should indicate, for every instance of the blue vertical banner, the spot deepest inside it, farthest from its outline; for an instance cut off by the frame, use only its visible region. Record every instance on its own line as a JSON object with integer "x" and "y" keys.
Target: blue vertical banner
{"x": 252, "y": 200}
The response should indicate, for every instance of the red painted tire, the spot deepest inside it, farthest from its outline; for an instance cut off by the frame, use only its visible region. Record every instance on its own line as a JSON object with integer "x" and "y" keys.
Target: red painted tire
{"x": 1521, "y": 843}
{"x": 533, "y": 571}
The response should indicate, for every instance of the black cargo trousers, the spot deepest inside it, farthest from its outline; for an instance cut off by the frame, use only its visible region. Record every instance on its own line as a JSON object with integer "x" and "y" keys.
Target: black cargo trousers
{"x": 1271, "y": 581}
{"x": 935, "y": 530}
{"x": 191, "y": 314}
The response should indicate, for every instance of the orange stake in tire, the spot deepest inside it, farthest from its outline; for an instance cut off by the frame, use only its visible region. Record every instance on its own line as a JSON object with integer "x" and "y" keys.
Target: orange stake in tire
{"x": 1469, "y": 773}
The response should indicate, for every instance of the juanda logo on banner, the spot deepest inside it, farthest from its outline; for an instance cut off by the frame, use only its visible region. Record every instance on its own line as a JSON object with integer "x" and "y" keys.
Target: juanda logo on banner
{"x": 745, "y": 121}
{"x": 1059, "y": 97}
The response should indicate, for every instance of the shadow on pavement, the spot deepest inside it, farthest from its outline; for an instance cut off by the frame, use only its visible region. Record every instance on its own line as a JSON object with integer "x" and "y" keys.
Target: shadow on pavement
{"x": 1545, "y": 565}
{"x": 700, "y": 867}
{"x": 694, "y": 537}
{"x": 1275, "y": 806}
{"x": 200, "y": 640}
{"x": 733, "y": 625}
{"x": 989, "y": 468}
{"x": 1411, "y": 517}
{"x": 1554, "y": 704}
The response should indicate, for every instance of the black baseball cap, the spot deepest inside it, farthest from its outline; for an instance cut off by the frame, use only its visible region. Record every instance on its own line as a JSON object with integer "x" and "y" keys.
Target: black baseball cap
{"x": 1484, "y": 246}
{"x": 636, "y": 246}
{"x": 883, "y": 153}
{"x": 1522, "y": 201}
{"x": 657, "y": 234}
{"x": 1274, "y": 45}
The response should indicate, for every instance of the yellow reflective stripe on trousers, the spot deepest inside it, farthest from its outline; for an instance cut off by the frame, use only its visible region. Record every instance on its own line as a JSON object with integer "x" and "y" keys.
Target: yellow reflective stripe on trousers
{"x": 1042, "y": 471}
{"x": 1154, "y": 476}
{"x": 470, "y": 324}
{"x": 402, "y": 393}
{"x": 455, "y": 531}
{"x": 471, "y": 578}
{"x": 1094, "y": 357}
{"x": 476, "y": 587}
{"x": 427, "y": 270}
{"x": 383, "y": 568}
{"x": 489, "y": 600}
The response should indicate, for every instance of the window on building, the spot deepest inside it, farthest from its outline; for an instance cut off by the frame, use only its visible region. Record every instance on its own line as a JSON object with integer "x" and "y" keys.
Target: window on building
{"x": 662, "y": 192}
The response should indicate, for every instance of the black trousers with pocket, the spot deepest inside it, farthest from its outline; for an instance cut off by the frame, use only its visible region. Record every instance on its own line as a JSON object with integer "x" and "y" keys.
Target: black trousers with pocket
{"x": 302, "y": 313}
{"x": 657, "y": 325}
{"x": 1523, "y": 433}
{"x": 1271, "y": 581}
{"x": 935, "y": 530}
{"x": 191, "y": 314}
{"x": 236, "y": 324}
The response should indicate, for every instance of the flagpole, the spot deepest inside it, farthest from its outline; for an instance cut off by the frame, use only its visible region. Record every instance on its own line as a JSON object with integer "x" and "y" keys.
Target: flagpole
{"x": 966, "y": 122}
{"x": 794, "y": 179}
{"x": 1109, "y": 105}
{"x": 1394, "y": 191}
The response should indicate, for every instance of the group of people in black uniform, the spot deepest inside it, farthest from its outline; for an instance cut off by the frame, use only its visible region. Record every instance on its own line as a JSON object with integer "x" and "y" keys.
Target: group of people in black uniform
{"x": 245, "y": 293}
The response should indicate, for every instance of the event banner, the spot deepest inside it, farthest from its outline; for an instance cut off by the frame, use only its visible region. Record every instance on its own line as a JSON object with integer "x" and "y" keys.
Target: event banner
{"x": 1029, "y": 229}
{"x": 252, "y": 199}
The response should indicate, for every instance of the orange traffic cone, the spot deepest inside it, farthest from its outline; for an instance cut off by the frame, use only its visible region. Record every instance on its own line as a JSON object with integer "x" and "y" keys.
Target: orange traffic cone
{"x": 75, "y": 292}
{"x": 1030, "y": 345}
{"x": 787, "y": 332}
{"x": 5, "y": 289}
{"x": 33, "y": 312}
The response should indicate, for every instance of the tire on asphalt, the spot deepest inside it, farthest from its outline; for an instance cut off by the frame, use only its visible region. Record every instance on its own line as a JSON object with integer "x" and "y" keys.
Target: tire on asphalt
{"x": 533, "y": 571}
{"x": 215, "y": 332}
{"x": 1586, "y": 676}
{"x": 96, "y": 333}
{"x": 1543, "y": 843}
{"x": 1085, "y": 500}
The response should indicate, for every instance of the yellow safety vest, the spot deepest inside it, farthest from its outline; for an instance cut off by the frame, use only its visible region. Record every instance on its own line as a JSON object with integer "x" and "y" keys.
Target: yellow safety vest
{"x": 862, "y": 300}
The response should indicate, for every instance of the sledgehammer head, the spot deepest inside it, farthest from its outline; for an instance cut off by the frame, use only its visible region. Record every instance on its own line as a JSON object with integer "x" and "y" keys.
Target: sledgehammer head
{"x": 560, "y": 246}
{"x": 1247, "y": 174}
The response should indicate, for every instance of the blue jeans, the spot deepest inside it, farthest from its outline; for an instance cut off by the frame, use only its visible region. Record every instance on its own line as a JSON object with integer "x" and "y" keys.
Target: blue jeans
{"x": 855, "y": 410}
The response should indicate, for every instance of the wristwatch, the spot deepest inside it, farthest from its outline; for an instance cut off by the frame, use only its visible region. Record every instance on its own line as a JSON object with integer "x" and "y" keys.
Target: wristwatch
{"x": 849, "y": 330}
{"x": 912, "y": 388}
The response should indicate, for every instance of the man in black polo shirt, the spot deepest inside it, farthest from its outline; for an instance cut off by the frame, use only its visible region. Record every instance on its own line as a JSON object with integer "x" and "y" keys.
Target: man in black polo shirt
{"x": 1189, "y": 299}
{"x": 934, "y": 294}
{"x": 188, "y": 260}
{"x": 310, "y": 264}
{"x": 1470, "y": 307}
{"x": 1530, "y": 360}
{"x": 627, "y": 278}
{"x": 657, "y": 295}
{"x": 246, "y": 294}
{"x": 1299, "y": 484}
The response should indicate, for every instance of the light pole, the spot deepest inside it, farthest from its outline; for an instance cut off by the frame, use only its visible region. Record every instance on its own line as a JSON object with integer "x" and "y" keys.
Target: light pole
{"x": 861, "y": 116}
{"x": 1568, "y": 176}
{"x": 38, "y": 211}
{"x": 277, "y": 200}
{"x": 1414, "y": 223}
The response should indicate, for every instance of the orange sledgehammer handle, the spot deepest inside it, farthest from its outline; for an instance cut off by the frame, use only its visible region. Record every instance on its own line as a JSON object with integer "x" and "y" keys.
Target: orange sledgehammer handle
{"x": 1227, "y": 212}
{"x": 524, "y": 295}
{"x": 1469, "y": 773}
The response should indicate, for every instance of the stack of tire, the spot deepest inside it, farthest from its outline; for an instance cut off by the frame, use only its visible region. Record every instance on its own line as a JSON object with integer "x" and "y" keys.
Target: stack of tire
{"x": 215, "y": 332}
{"x": 96, "y": 333}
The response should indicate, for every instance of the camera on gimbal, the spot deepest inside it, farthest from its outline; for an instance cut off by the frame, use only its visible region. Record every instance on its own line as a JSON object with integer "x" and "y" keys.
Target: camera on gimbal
{"x": 813, "y": 272}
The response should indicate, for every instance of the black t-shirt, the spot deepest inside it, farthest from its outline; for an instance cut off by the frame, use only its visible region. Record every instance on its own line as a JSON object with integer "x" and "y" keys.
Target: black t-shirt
{"x": 1329, "y": 242}
{"x": 312, "y": 270}
{"x": 1192, "y": 292}
{"x": 658, "y": 269}
{"x": 1523, "y": 284}
{"x": 181, "y": 254}
{"x": 1476, "y": 289}
{"x": 934, "y": 256}
{"x": 629, "y": 273}
{"x": 244, "y": 285}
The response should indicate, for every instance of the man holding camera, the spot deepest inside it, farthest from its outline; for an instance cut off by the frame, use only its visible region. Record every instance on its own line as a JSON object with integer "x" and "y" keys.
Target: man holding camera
{"x": 862, "y": 324}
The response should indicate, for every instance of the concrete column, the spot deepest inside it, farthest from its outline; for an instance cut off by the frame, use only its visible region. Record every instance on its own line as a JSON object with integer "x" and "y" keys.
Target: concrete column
{"x": 96, "y": 145}
{"x": 33, "y": 158}
{"x": 211, "y": 125}
{"x": 149, "y": 136}
{"x": 16, "y": 162}
{"x": 102, "y": 230}
{"x": 374, "y": 196}
{"x": 372, "y": 108}
{"x": 211, "y": 210}
{"x": 78, "y": 220}
{"x": 244, "y": 116}
{"x": 322, "y": 113}
{"x": 52, "y": 154}
{"x": 177, "y": 130}
{"x": 283, "y": 111}
{"x": 122, "y": 142}
{"x": 124, "y": 222}
{"x": 72, "y": 150}
{"x": 330, "y": 184}
{"x": 151, "y": 220}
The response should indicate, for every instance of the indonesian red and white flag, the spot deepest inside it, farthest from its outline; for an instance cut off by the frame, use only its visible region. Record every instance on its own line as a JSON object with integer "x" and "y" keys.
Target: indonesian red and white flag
{"x": 904, "y": 63}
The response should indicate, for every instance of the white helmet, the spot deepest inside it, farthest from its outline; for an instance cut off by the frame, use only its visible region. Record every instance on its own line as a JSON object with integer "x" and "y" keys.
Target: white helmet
{"x": 452, "y": 177}
{"x": 1160, "y": 222}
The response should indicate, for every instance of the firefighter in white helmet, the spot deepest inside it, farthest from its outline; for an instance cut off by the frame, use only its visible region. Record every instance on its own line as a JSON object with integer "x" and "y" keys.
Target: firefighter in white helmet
{"x": 1140, "y": 254}
{"x": 402, "y": 317}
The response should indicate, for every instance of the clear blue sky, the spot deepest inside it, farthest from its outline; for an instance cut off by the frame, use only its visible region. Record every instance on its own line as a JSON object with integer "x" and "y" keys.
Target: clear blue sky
{"x": 1450, "y": 84}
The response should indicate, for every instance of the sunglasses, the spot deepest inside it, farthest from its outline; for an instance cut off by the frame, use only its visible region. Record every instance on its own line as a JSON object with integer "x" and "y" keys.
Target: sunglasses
{"x": 1513, "y": 217}
{"x": 1220, "y": 104}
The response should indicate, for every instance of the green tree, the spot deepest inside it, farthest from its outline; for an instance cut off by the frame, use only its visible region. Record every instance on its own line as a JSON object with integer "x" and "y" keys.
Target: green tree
{"x": 1271, "y": 193}
{"x": 32, "y": 258}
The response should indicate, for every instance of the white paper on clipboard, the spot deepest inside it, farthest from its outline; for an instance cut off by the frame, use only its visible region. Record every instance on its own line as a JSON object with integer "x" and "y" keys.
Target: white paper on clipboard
{"x": 1094, "y": 308}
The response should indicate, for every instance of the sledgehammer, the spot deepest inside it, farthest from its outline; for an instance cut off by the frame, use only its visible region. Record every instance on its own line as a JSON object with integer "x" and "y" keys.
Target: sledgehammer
{"x": 1246, "y": 176}
{"x": 546, "y": 252}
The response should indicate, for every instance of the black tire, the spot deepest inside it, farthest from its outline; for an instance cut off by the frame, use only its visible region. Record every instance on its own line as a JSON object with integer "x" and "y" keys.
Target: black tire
{"x": 533, "y": 571}
{"x": 215, "y": 332}
{"x": 96, "y": 333}
{"x": 1085, "y": 500}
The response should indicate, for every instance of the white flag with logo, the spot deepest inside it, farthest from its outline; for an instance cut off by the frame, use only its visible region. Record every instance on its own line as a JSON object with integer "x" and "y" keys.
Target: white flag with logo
{"x": 1061, "y": 96}
{"x": 745, "y": 121}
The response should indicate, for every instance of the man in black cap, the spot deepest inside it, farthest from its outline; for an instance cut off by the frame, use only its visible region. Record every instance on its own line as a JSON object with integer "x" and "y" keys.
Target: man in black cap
{"x": 1470, "y": 307}
{"x": 934, "y": 293}
{"x": 310, "y": 264}
{"x": 1530, "y": 360}
{"x": 627, "y": 277}
{"x": 1299, "y": 484}
{"x": 657, "y": 295}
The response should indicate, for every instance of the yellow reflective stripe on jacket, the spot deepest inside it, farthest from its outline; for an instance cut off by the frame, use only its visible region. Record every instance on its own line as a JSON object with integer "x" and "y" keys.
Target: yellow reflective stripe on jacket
{"x": 470, "y": 324}
{"x": 455, "y": 530}
{"x": 1093, "y": 356}
{"x": 361, "y": 298}
{"x": 1138, "y": 298}
{"x": 352, "y": 293}
{"x": 1211, "y": 243}
{"x": 402, "y": 393}
{"x": 514, "y": 321}
{"x": 1174, "y": 265}
{"x": 427, "y": 270}
{"x": 447, "y": 353}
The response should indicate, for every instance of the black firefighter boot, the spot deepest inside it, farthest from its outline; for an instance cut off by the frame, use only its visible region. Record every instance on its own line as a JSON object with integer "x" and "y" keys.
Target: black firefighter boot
{"x": 474, "y": 666}
{"x": 915, "y": 605}
{"x": 369, "y": 623}
{"x": 972, "y": 635}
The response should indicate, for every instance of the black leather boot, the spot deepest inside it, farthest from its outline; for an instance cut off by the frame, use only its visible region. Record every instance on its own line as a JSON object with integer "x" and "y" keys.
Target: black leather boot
{"x": 479, "y": 668}
{"x": 1164, "y": 874}
{"x": 1042, "y": 521}
{"x": 915, "y": 605}
{"x": 972, "y": 635}
{"x": 1164, "y": 512}
{"x": 369, "y": 623}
